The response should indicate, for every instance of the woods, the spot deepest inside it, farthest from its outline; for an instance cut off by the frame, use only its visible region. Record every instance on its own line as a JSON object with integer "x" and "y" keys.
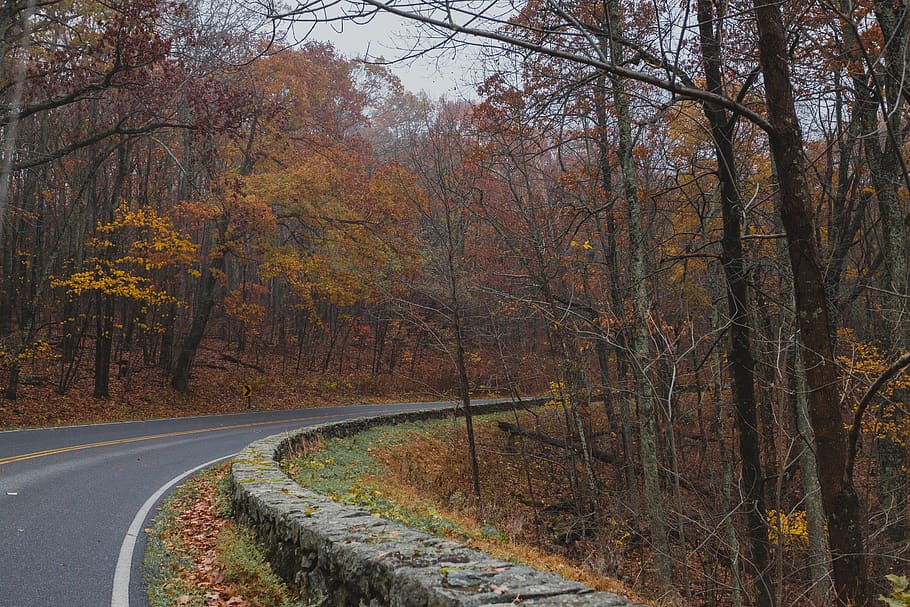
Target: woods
{"x": 686, "y": 221}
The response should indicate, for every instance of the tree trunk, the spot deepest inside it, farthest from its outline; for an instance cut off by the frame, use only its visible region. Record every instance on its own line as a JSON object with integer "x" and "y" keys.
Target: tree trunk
{"x": 166, "y": 351}
{"x": 104, "y": 327}
{"x": 640, "y": 337}
{"x": 464, "y": 388}
{"x": 808, "y": 468}
{"x": 608, "y": 243}
{"x": 461, "y": 367}
{"x": 740, "y": 344}
{"x": 727, "y": 484}
{"x": 839, "y": 497}
{"x": 205, "y": 301}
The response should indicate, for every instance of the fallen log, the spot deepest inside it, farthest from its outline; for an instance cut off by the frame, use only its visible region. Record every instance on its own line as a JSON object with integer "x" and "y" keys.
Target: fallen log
{"x": 514, "y": 430}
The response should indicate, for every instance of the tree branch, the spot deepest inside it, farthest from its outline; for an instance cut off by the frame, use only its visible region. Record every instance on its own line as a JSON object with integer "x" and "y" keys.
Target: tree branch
{"x": 607, "y": 67}
{"x": 902, "y": 362}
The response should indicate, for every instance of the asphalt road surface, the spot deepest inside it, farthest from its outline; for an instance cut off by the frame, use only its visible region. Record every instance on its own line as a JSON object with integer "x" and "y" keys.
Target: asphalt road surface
{"x": 74, "y": 500}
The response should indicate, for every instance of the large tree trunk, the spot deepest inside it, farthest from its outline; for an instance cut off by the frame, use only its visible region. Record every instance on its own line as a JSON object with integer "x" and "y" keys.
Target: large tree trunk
{"x": 839, "y": 497}
{"x": 216, "y": 266}
{"x": 202, "y": 310}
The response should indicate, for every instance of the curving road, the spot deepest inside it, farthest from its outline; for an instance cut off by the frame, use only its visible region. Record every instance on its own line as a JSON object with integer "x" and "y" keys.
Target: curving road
{"x": 73, "y": 500}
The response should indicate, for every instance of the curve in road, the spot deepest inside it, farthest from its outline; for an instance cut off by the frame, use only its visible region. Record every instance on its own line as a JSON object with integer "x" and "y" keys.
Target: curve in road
{"x": 74, "y": 499}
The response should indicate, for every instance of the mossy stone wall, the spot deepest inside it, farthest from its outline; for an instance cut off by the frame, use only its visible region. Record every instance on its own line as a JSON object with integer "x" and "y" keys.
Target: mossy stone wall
{"x": 339, "y": 556}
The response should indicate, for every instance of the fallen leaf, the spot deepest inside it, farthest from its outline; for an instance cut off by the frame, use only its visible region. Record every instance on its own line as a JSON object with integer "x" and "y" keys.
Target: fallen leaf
{"x": 216, "y": 577}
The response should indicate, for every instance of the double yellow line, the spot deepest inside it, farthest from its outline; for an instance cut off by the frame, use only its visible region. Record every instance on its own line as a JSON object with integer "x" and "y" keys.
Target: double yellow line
{"x": 122, "y": 441}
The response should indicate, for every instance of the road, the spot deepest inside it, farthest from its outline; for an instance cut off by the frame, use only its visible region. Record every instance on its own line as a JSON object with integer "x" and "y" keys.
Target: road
{"x": 69, "y": 496}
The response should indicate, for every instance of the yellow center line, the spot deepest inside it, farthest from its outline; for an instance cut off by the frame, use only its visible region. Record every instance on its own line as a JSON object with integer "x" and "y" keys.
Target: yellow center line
{"x": 135, "y": 439}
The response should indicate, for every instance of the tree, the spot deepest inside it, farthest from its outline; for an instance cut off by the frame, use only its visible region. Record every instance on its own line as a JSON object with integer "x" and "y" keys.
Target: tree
{"x": 129, "y": 252}
{"x": 839, "y": 496}
{"x": 309, "y": 206}
{"x": 443, "y": 207}
{"x": 573, "y": 38}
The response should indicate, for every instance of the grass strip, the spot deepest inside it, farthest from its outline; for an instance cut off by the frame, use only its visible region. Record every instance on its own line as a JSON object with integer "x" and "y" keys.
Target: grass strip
{"x": 197, "y": 556}
{"x": 345, "y": 470}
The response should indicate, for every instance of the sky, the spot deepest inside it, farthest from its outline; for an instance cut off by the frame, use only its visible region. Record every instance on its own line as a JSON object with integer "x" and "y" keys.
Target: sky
{"x": 442, "y": 73}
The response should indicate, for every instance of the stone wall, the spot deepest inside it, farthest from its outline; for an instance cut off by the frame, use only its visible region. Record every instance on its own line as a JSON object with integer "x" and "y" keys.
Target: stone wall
{"x": 340, "y": 556}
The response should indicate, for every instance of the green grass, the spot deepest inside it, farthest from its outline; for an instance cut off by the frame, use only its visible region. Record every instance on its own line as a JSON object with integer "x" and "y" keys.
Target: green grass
{"x": 342, "y": 469}
{"x": 243, "y": 564}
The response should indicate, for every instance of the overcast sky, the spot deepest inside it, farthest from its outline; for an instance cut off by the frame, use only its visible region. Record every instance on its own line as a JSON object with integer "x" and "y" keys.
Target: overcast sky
{"x": 442, "y": 73}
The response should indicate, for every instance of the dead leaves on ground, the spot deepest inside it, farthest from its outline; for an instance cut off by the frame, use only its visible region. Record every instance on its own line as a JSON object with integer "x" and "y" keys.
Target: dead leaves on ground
{"x": 199, "y": 526}
{"x": 215, "y": 388}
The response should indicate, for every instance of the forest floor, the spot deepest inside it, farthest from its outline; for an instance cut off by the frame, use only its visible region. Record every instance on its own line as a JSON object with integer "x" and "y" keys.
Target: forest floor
{"x": 216, "y": 387}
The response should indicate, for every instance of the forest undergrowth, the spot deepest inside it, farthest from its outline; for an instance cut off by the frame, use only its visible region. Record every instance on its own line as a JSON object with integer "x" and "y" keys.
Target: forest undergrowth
{"x": 417, "y": 474}
{"x": 144, "y": 392}
{"x": 535, "y": 507}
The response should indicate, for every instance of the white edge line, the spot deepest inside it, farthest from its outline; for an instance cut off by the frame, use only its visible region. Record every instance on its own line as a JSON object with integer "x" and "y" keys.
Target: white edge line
{"x": 120, "y": 595}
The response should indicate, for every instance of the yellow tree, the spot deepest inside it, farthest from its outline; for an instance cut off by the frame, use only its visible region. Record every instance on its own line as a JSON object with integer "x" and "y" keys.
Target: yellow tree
{"x": 132, "y": 254}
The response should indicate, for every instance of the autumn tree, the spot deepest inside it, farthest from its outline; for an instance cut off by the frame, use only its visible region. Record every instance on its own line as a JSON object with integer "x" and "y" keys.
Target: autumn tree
{"x": 308, "y": 206}
{"x": 86, "y": 83}
{"x": 786, "y": 147}
{"x": 128, "y": 254}
{"x": 443, "y": 207}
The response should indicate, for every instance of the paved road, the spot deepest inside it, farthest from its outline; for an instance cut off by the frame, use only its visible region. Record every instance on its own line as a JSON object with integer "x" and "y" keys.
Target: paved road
{"x": 69, "y": 495}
